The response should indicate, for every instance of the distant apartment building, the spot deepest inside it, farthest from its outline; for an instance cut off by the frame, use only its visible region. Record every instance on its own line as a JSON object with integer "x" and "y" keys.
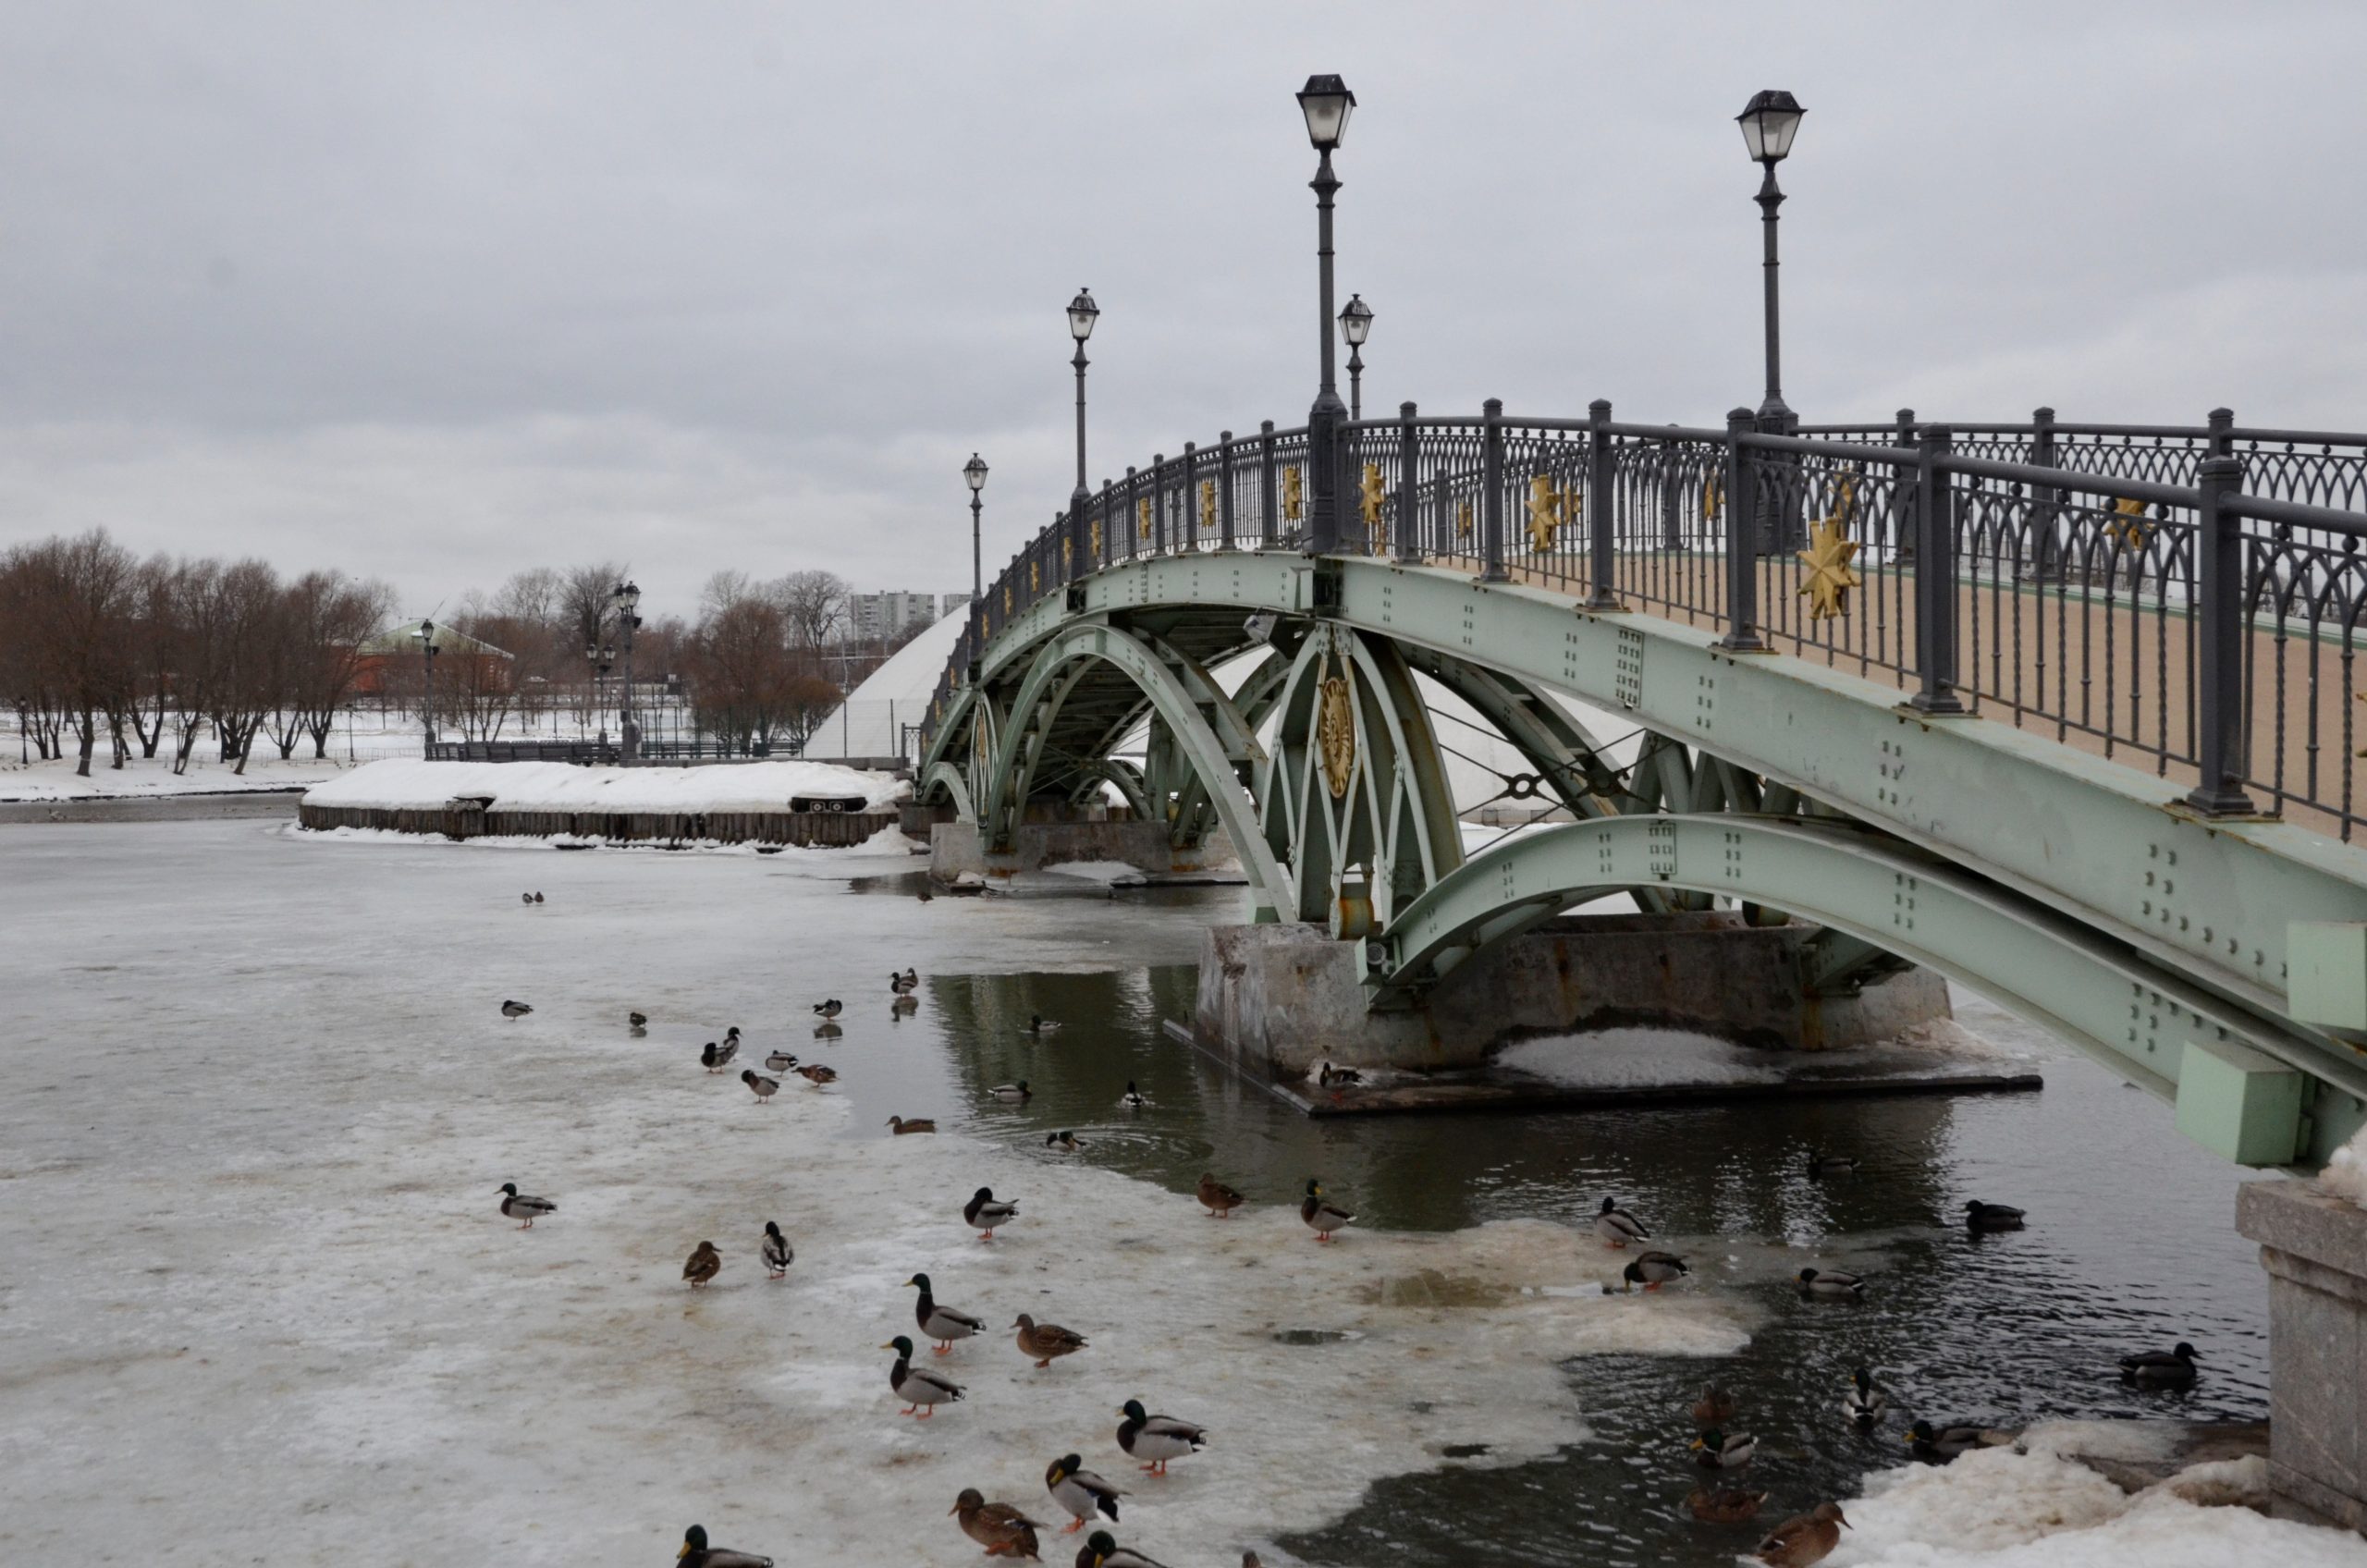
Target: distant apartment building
{"x": 951, "y": 602}
{"x": 889, "y": 614}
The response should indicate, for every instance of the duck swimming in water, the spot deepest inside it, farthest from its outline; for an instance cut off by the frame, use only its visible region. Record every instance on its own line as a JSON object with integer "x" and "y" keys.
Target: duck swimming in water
{"x": 1067, "y": 1142}
{"x": 1715, "y": 1407}
{"x": 1011, "y": 1093}
{"x": 1824, "y": 1165}
{"x": 2160, "y": 1368}
{"x": 1831, "y": 1284}
{"x": 1717, "y": 1449}
{"x": 1986, "y": 1217}
{"x": 1134, "y": 1099}
{"x": 1040, "y": 1024}
{"x": 1728, "y": 1505}
{"x": 1865, "y": 1403}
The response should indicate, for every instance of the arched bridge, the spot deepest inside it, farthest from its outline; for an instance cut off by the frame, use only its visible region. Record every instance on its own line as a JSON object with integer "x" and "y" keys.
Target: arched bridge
{"x": 2063, "y": 712}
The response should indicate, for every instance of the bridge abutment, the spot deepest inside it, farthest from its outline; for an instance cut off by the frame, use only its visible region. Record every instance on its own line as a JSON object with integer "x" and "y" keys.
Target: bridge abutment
{"x": 955, "y": 854}
{"x": 1278, "y": 1000}
{"x": 2313, "y": 1245}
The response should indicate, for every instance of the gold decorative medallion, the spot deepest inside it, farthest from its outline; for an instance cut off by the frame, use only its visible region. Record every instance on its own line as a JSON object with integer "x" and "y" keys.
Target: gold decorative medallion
{"x": 1095, "y": 539}
{"x": 1293, "y": 497}
{"x": 1142, "y": 517}
{"x": 1713, "y": 496}
{"x": 1545, "y": 511}
{"x": 1829, "y": 577}
{"x": 2131, "y": 527}
{"x": 1006, "y": 598}
{"x": 1207, "y": 503}
{"x": 1065, "y": 551}
{"x": 1370, "y": 496}
{"x": 1463, "y": 519}
{"x": 1034, "y": 579}
{"x": 1335, "y": 733}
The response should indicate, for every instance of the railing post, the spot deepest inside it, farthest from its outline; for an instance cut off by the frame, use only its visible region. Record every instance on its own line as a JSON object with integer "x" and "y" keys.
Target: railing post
{"x": 1224, "y": 491}
{"x": 1492, "y": 494}
{"x": 1903, "y": 542}
{"x": 2222, "y": 439}
{"x": 1742, "y": 538}
{"x": 1935, "y": 576}
{"x": 2045, "y": 499}
{"x": 1128, "y": 529}
{"x": 2222, "y": 623}
{"x": 1672, "y": 530}
{"x": 1270, "y": 526}
{"x": 1324, "y": 457}
{"x": 1408, "y": 480}
{"x": 1600, "y": 516}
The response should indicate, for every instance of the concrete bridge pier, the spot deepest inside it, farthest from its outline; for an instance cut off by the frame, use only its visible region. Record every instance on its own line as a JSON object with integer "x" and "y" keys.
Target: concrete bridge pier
{"x": 1277, "y": 1000}
{"x": 956, "y": 857}
{"x": 2313, "y": 1245}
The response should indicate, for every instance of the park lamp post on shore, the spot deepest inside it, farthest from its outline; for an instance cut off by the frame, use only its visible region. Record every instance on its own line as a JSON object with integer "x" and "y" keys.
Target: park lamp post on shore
{"x": 1769, "y": 122}
{"x": 974, "y": 473}
{"x": 626, "y": 600}
{"x": 1083, "y": 314}
{"x": 600, "y": 656}
{"x": 1356, "y": 326}
{"x": 1326, "y": 103}
{"x": 427, "y": 651}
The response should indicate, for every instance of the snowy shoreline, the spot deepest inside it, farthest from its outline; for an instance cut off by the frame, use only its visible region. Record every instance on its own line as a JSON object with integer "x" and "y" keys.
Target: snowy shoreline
{"x": 404, "y": 784}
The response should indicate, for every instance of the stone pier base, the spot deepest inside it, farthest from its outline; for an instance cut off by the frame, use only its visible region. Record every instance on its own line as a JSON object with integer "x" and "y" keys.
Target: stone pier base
{"x": 2314, "y": 1247}
{"x": 1277, "y": 999}
{"x": 954, "y": 852}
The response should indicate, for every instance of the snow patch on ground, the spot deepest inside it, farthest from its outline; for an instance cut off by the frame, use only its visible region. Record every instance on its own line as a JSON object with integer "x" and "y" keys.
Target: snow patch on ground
{"x": 889, "y": 840}
{"x": 143, "y": 777}
{"x": 2346, "y": 1174}
{"x": 558, "y": 786}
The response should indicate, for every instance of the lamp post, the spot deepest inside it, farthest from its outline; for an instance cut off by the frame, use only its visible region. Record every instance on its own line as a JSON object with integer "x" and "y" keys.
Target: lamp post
{"x": 1356, "y": 326}
{"x": 626, "y": 600}
{"x": 974, "y": 473}
{"x": 599, "y": 655}
{"x": 427, "y": 651}
{"x": 1083, "y": 314}
{"x": 1769, "y": 122}
{"x": 1326, "y": 103}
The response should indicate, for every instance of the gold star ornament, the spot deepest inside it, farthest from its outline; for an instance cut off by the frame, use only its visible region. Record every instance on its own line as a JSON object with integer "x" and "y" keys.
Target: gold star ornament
{"x": 1293, "y": 495}
{"x": 1829, "y": 577}
{"x": 1370, "y": 495}
{"x": 1207, "y": 503}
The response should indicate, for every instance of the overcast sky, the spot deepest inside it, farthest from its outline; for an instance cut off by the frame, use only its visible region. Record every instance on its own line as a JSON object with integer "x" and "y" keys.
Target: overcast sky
{"x": 436, "y": 293}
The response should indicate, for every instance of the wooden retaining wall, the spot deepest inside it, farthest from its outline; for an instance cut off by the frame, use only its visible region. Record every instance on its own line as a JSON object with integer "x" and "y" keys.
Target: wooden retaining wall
{"x": 827, "y": 829}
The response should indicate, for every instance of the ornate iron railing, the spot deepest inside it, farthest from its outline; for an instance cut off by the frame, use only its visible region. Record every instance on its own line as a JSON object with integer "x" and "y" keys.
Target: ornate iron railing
{"x": 2186, "y": 599}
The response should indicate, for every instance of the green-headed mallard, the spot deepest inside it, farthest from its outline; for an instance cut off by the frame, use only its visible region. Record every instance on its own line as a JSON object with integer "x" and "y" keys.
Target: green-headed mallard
{"x": 921, "y": 1391}
{"x": 1337, "y": 1078}
{"x": 780, "y": 1062}
{"x": 829, "y": 1009}
{"x": 2161, "y": 1368}
{"x": 1000, "y": 1528}
{"x": 776, "y": 1252}
{"x": 1067, "y": 1142}
{"x": 1156, "y": 1439}
{"x": 696, "y": 1553}
{"x": 713, "y": 1058}
{"x": 515, "y": 1010}
{"x": 1101, "y": 1551}
{"x": 900, "y": 1126}
{"x": 903, "y": 985}
{"x": 521, "y": 1207}
{"x": 1134, "y": 1099}
{"x": 1942, "y": 1444}
{"x": 1717, "y": 1449}
{"x": 1865, "y": 1403}
{"x": 1980, "y": 1216}
{"x": 764, "y": 1088}
{"x": 1080, "y": 1492}
{"x": 1217, "y": 1198}
{"x": 985, "y": 1211}
{"x": 1040, "y": 1024}
{"x": 1011, "y": 1093}
{"x": 1824, "y": 1165}
{"x": 1652, "y": 1270}
{"x": 1047, "y": 1341}
{"x": 1831, "y": 1284}
{"x": 1806, "y": 1539}
{"x": 1618, "y": 1226}
{"x": 1321, "y": 1216}
{"x": 637, "y": 1021}
{"x": 1715, "y": 1407}
{"x": 705, "y": 1264}
{"x": 939, "y": 1321}
{"x": 1727, "y": 1505}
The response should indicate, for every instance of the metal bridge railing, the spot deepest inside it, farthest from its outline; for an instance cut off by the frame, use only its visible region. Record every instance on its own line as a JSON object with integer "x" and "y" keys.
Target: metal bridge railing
{"x": 2184, "y": 598}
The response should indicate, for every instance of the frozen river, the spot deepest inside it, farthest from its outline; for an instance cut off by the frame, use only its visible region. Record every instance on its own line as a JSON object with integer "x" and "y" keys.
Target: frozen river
{"x": 256, "y": 1303}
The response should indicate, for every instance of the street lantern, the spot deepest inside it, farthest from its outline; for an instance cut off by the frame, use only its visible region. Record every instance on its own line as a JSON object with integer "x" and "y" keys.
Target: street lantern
{"x": 1082, "y": 313}
{"x": 627, "y": 598}
{"x": 427, "y": 651}
{"x": 1356, "y": 326}
{"x": 974, "y": 470}
{"x": 1769, "y": 122}
{"x": 1327, "y": 103}
{"x": 975, "y": 473}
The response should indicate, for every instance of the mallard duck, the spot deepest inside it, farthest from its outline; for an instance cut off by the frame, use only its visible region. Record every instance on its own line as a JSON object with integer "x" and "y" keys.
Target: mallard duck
{"x": 518, "y": 1206}
{"x": 1047, "y": 1342}
{"x": 1806, "y": 1539}
{"x": 1011, "y": 1093}
{"x": 921, "y": 1391}
{"x": 764, "y": 1088}
{"x": 731, "y": 1036}
{"x": 1217, "y": 1198}
{"x": 696, "y": 1553}
{"x": 538, "y": 897}
{"x": 1727, "y": 1505}
{"x": 776, "y": 1251}
{"x": 1865, "y": 1403}
{"x": 780, "y": 1062}
{"x": 1067, "y": 1142}
{"x": 705, "y": 1264}
{"x": 900, "y": 1126}
{"x": 1322, "y": 1217}
{"x": 939, "y": 1321}
{"x": 1652, "y": 1270}
{"x": 1134, "y": 1099}
{"x": 819, "y": 1076}
{"x": 525, "y": 898}
{"x": 1715, "y": 1450}
{"x": 2161, "y": 1368}
{"x": 1156, "y": 1439}
{"x": 1824, "y": 1165}
{"x": 1100, "y": 1550}
{"x": 713, "y": 1058}
{"x": 1040, "y": 1024}
{"x": 639, "y": 1021}
{"x": 903, "y": 985}
{"x": 1000, "y": 1528}
{"x": 1618, "y": 1226}
{"x": 985, "y": 1211}
{"x": 1331, "y": 1077}
{"x": 515, "y": 1010}
{"x": 1980, "y": 1216}
{"x": 1831, "y": 1284}
{"x": 1941, "y": 1445}
{"x": 1715, "y": 1407}
{"x": 828, "y": 1009}
{"x": 1080, "y": 1492}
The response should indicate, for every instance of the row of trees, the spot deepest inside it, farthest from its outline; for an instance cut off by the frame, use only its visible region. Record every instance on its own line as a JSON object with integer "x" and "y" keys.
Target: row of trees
{"x": 97, "y": 642}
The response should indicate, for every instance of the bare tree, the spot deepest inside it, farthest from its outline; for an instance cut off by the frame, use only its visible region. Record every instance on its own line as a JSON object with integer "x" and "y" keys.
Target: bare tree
{"x": 247, "y": 665}
{"x": 814, "y": 604}
{"x": 325, "y": 620}
{"x": 75, "y": 595}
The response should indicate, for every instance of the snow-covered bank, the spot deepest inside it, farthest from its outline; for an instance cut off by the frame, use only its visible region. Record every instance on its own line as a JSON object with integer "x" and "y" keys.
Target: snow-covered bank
{"x": 147, "y": 777}
{"x": 556, "y": 786}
